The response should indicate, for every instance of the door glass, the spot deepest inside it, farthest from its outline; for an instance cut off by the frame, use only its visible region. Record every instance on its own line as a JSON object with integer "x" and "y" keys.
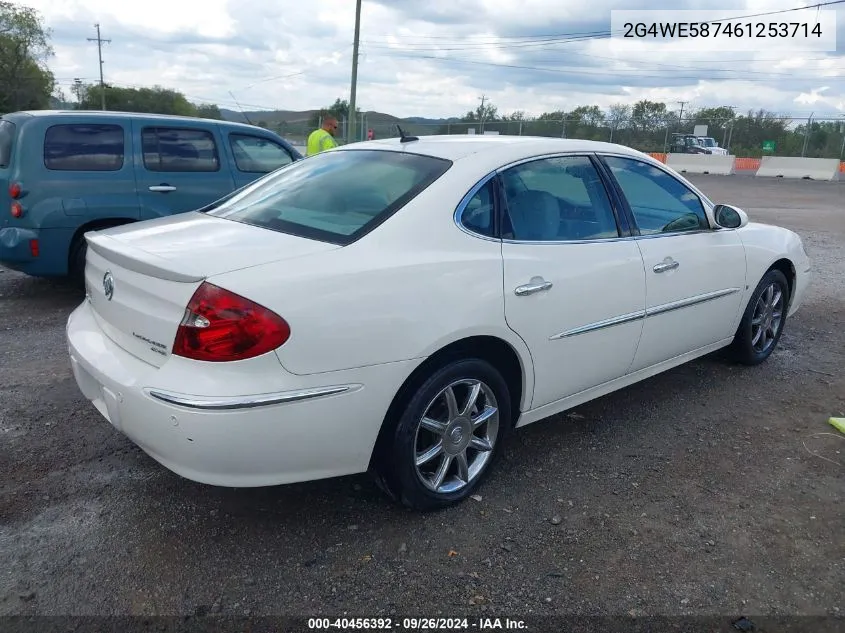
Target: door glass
{"x": 557, "y": 199}
{"x": 84, "y": 147}
{"x": 660, "y": 203}
{"x": 175, "y": 149}
{"x": 258, "y": 155}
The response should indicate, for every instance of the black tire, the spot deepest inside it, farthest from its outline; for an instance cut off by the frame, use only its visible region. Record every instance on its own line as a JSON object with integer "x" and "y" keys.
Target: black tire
{"x": 743, "y": 348}
{"x": 76, "y": 263}
{"x": 395, "y": 467}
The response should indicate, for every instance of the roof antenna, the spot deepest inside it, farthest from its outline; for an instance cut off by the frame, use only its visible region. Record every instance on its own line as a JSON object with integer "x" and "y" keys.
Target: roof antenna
{"x": 405, "y": 139}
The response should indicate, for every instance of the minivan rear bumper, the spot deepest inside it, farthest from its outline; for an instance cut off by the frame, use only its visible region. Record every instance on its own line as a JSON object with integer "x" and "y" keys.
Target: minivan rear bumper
{"x": 17, "y": 251}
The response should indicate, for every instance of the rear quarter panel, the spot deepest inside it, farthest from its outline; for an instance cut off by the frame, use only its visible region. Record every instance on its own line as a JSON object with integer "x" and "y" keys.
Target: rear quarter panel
{"x": 411, "y": 287}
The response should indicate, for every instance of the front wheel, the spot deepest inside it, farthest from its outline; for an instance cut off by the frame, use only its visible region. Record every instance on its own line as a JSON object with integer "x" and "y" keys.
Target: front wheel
{"x": 763, "y": 321}
{"x": 446, "y": 437}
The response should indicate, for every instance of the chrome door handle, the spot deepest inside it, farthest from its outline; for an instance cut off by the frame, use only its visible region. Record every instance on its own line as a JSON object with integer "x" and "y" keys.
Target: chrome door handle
{"x": 162, "y": 188}
{"x": 668, "y": 264}
{"x": 537, "y": 284}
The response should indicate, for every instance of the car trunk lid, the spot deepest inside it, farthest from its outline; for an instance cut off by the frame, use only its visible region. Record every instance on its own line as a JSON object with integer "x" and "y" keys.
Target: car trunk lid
{"x": 140, "y": 278}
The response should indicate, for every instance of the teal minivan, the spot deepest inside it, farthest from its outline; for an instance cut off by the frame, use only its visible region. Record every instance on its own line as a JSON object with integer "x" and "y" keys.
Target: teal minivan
{"x": 64, "y": 173}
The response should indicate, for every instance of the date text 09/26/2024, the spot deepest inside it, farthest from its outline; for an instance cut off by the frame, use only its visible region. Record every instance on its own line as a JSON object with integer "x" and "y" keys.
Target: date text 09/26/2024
{"x": 416, "y": 624}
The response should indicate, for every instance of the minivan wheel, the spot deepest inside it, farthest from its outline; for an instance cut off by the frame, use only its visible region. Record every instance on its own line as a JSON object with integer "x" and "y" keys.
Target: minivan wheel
{"x": 447, "y": 436}
{"x": 762, "y": 323}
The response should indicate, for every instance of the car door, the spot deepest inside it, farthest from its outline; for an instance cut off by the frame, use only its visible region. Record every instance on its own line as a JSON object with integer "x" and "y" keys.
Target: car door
{"x": 574, "y": 291}
{"x": 179, "y": 167}
{"x": 695, "y": 274}
{"x": 253, "y": 156}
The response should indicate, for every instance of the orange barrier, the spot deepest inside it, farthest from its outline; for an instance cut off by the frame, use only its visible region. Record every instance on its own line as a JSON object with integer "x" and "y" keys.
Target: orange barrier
{"x": 842, "y": 167}
{"x": 751, "y": 164}
{"x": 658, "y": 156}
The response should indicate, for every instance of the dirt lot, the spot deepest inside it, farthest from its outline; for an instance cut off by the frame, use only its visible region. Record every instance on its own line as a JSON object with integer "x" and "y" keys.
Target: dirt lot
{"x": 694, "y": 492}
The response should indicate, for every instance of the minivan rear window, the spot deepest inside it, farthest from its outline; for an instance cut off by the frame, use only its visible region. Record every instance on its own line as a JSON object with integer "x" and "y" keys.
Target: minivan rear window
{"x": 336, "y": 196}
{"x": 7, "y": 135}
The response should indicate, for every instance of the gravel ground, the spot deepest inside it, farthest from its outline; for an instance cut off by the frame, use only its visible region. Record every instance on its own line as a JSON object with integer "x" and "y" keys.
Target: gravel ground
{"x": 710, "y": 489}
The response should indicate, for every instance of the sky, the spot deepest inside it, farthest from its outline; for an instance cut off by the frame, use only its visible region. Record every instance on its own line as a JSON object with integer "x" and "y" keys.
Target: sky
{"x": 437, "y": 58}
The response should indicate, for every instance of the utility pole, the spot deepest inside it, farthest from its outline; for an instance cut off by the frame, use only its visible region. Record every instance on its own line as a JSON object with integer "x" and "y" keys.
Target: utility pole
{"x": 807, "y": 134}
{"x": 353, "y": 90}
{"x": 681, "y": 115}
{"x": 842, "y": 132}
{"x": 482, "y": 112}
{"x": 725, "y": 138}
{"x": 100, "y": 41}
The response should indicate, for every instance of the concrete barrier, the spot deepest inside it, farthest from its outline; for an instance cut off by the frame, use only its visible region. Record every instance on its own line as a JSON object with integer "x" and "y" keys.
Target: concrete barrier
{"x": 806, "y": 168}
{"x": 701, "y": 163}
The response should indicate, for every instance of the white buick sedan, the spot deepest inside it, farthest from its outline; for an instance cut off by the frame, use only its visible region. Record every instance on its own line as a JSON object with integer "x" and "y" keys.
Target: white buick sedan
{"x": 400, "y": 306}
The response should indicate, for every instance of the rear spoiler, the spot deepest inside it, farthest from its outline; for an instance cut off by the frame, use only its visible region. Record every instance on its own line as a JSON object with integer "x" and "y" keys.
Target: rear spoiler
{"x": 138, "y": 260}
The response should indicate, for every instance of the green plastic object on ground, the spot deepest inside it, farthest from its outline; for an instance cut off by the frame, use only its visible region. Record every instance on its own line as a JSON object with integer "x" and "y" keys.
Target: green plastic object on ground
{"x": 838, "y": 424}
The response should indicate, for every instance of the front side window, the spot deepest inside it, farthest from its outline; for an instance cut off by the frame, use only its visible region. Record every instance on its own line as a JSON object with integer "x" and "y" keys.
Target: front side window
{"x": 334, "y": 196}
{"x": 84, "y": 147}
{"x": 660, "y": 203}
{"x": 557, "y": 199}
{"x": 179, "y": 149}
{"x": 254, "y": 154}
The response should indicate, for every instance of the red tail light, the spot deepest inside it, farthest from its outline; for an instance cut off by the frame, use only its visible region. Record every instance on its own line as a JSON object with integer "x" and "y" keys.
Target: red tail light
{"x": 17, "y": 210}
{"x": 221, "y": 326}
{"x": 34, "y": 248}
{"x": 15, "y": 190}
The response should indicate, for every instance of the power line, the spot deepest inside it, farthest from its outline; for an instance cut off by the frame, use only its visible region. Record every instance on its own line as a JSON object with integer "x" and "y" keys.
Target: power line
{"x": 564, "y": 38}
{"x": 100, "y": 41}
{"x": 580, "y": 72}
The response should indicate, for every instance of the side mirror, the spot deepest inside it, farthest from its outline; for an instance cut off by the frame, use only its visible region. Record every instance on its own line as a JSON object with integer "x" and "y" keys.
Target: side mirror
{"x": 729, "y": 217}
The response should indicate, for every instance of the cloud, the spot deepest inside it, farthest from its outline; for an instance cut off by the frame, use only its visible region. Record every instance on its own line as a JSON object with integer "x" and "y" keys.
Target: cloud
{"x": 433, "y": 58}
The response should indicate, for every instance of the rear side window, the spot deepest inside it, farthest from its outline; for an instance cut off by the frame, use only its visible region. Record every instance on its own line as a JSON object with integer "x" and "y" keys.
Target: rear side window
{"x": 335, "y": 196}
{"x": 254, "y": 154}
{"x": 179, "y": 149}
{"x": 7, "y": 135}
{"x": 84, "y": 147}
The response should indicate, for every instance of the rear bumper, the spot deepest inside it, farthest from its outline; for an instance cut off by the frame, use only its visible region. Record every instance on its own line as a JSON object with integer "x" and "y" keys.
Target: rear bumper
{"x": 16, "y": 250}
{"x": 219, "y": 432}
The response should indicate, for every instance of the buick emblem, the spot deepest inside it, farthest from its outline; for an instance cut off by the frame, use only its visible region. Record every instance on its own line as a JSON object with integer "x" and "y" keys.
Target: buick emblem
{"x": 108, "y": 285}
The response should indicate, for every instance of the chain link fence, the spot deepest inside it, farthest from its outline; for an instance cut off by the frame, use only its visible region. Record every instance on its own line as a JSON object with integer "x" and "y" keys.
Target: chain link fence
{"x": 744, "y": 136}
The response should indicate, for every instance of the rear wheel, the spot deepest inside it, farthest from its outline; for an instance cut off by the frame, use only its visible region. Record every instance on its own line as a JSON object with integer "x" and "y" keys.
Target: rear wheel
{"x": 446, "y": 437}
{"x": 763, "y": 321}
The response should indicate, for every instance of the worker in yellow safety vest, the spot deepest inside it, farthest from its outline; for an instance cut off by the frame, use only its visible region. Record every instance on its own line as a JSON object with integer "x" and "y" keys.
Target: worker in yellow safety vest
{"x": 323, "y": 138}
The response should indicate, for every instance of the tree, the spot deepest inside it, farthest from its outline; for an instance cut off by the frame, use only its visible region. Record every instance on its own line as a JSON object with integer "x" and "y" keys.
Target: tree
{"x": 26, "y": 81}
{"x": 589, "y": 115}
{"x": 339, "y": 110}
{"x": 484, "y": 113}
{"x": 156, "y": 100}
{"x": 209, "y": 111}
{"x": 649, "y": 115}
{"x": 618, "y": 115}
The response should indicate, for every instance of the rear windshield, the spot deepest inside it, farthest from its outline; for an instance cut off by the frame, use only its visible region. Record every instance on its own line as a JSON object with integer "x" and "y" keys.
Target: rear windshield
{"x": 7, "y": 135}
{"x": 336, "y": 196}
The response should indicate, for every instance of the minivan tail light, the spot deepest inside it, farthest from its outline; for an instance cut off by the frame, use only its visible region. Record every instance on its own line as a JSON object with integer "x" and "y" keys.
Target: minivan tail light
{"x": 219, "y": 325}
{"x": 15, "y": 190}
{"x": 16, "y": 210}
